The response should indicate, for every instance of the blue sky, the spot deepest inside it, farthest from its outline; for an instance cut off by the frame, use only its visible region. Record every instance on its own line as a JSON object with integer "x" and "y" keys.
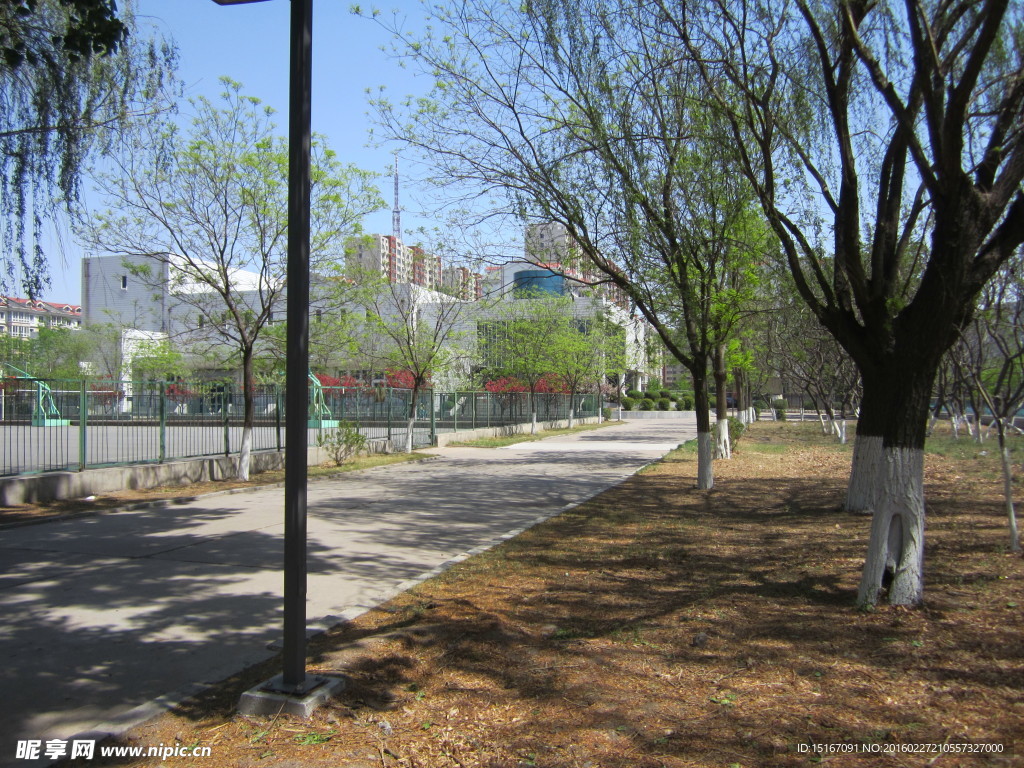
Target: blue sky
{"x": 249, "y": 43}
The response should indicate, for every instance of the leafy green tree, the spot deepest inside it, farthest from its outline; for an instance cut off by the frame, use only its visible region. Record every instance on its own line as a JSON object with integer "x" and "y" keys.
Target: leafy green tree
{"x": 203, "y": 213}
{"x": 521, "y": 338}
{"x": 57, "y": 353}
{"x": 73, "y": 75}
{"x": 573, "y": 117}
{"x": 577, "y": 351}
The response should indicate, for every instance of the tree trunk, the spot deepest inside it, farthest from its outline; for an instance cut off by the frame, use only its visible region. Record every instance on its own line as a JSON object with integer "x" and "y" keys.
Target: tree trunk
{"x": 533, "y": 413}
{"x": 1011, "y": 515}
{"x": 887, "y": 479}
{"x": 722, "y": 447}
{"x": 410, "y": 424}
{"x": 249, "y": 407}
{"x": 705, "y": 447}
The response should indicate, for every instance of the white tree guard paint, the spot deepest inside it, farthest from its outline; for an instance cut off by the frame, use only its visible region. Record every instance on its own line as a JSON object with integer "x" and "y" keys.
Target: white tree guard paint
{"x": 841, "y": 431}
{"x": 533, "y": 422}
{"x": 1011, "y": 515}
{"x": 864, "y": 473}
{"x": 244, "y": 454}
{"x": 410, "y": 425}
{"x": 705, "y": 453}
{"x": 897, "y": 529}
{"x": 572, "y": 416}
{"x": 723, "y": 448}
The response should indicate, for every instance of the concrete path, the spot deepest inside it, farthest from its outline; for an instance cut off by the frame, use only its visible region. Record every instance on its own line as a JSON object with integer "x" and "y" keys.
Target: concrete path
{"x": 105, "y": 614}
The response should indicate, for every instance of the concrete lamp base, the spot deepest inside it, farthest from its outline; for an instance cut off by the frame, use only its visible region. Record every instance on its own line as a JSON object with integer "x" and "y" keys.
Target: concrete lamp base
{"x": 273, "y": 697}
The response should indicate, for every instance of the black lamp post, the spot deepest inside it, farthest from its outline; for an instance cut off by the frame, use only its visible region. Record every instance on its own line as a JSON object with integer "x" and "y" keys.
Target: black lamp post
{"x": 293, "y": 680}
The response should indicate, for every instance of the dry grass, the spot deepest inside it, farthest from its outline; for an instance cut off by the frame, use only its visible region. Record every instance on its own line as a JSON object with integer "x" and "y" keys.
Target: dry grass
{"x": 658, "y": 626}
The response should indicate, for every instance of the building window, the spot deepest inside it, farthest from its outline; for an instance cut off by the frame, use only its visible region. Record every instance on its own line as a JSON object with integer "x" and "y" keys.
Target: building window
{"x": 124, "y": 282}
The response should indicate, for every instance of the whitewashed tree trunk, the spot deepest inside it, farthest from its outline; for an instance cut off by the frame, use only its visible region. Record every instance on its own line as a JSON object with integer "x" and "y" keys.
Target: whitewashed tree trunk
{"x": 410, "y": 425}
{"x": 1011, "y": 515}
{"x": 897, "y": 528}
{"x": 533, "y": 422}
{"x": 705, "y": 451}
{"x": 864, "y": 473}
{"x": 841, "y": 431}
{"x": 931, "y": 424}
{"x": 825, "y": 429}
{"x": 572, "y": 415}
{"x": 245, "y": 454}
{"x": 723, "y": 448}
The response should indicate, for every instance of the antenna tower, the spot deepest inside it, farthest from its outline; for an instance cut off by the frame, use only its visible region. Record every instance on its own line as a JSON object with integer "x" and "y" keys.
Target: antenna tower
{"x": 396, "y": 213}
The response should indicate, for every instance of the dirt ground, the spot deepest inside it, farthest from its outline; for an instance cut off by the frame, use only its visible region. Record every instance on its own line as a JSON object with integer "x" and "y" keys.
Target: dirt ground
{"x": 660, "y": 627}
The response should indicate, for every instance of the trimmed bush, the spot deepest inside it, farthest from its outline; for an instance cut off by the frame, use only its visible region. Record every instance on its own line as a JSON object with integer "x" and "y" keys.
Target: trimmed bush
{"x": 627, "y": 403}
{"x": 652, "y": 394}
{"x": 341, "y": 443}
{"x": 647, "y": 404}
{"x": 665, "y": 394}
{"x": 664, "y": 404}
{"x": 634, "y": 394}
{"x": 606, "y": 414}
{"x": 736, "y": 430}
{"x": 686, "y": 403}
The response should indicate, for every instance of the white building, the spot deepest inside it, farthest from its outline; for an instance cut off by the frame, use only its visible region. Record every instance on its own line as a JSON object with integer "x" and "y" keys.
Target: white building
{"x": 23, "y": 318}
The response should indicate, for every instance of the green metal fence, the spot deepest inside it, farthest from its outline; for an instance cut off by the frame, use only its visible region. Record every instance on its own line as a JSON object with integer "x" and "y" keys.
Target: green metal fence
{"x": 54, "y": 425}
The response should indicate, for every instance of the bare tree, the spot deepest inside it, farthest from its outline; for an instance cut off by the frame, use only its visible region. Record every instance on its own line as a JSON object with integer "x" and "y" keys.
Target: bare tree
{"x": 412, "y": 331}
{"x": 898, "y": 129}
{"x": 991, "y": 355}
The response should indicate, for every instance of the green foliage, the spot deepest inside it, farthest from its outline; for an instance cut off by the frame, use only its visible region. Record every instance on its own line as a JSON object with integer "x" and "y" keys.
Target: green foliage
{"x": 73, "y": 81}
{"x": 652, "y": 394}
{"x": 606, "y": 414}
{"x": 736, "y": 429}
{"x": 647, "y": 404}
{"x": 665, "y": 393}
{"x": 342, "y": 442}
{"x": 627, "y": 403}
{"x": 686, "y": 402}
{"x": 664, "y": 404}
{"x": 635, "y": 394}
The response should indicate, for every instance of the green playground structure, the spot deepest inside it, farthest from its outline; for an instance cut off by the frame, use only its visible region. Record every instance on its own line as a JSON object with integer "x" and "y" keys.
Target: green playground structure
{"x": 45, "y": 412}
{"x": 319, "y": 413}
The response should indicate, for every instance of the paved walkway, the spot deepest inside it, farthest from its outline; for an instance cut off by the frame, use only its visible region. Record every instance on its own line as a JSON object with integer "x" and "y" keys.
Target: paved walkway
{"x": 107, "y": 613}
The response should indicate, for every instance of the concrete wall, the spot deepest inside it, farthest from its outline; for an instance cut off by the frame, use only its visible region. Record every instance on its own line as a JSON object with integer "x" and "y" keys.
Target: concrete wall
{"x": 53, "y": 486}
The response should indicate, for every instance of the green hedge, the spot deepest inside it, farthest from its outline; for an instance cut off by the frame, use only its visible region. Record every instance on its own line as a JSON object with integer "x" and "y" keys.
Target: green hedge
{"x": 647, "y": 404}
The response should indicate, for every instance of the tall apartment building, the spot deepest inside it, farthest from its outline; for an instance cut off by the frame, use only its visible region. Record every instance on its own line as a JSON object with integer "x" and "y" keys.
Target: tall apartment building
{"x": 23, "y": 318}
{"x": 394, "y": 261}
{"x": 463, "y": 283}
{"x": 549, "y": 246}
